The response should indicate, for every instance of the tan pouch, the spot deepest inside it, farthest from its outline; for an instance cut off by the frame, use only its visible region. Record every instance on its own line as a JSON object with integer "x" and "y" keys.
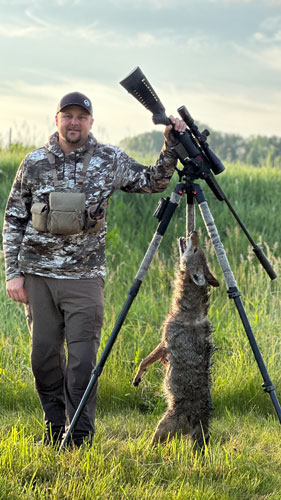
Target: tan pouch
{"x": 39, "y": 213}
{"x": 67, "y": 213}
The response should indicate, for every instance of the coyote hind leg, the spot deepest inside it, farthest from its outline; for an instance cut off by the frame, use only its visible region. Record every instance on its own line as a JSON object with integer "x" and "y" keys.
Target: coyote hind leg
{"x": 173, "y": 423}
{"x": 160, "y": 352}
{"x": 166, "y": 428}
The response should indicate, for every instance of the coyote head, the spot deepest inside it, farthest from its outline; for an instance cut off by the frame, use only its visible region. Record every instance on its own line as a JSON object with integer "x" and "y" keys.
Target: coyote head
{"x": 193, "y": 261}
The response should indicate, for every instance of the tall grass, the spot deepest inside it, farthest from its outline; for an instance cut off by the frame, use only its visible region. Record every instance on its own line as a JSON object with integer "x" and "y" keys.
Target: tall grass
{"x": 244, "y": 458}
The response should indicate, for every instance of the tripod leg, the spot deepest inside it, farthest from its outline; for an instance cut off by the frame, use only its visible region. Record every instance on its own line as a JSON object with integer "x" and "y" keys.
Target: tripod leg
{"x": 234, "y": 293}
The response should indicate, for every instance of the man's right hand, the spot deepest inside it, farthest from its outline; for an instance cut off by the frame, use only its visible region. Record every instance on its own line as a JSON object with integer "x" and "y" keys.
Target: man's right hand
{"x": 16, "y": 290}
{"x": 179, "y": 126}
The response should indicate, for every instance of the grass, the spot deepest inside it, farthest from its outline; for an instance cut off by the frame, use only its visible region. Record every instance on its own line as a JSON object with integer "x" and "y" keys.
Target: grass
{"x": 243, "y": 461}
{"x": 244, "y": 457}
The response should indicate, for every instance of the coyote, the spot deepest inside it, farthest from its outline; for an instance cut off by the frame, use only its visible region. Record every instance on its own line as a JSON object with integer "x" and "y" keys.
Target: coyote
{"x": 186, "y": 349}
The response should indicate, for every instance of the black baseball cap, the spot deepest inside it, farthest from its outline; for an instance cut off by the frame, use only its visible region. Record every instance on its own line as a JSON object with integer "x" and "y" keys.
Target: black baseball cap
{"x": 75, "y": 99}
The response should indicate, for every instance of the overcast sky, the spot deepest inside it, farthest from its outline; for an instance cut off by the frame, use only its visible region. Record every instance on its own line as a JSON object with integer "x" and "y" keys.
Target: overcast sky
{"x": 219, "y": 58}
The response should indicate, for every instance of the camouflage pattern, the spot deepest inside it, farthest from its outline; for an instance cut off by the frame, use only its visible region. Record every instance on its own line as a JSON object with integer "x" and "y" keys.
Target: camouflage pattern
{"x": 77, "y": 256}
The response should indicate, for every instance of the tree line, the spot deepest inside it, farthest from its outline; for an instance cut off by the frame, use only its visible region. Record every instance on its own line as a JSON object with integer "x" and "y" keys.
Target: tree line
{"x": 259, "y": 151}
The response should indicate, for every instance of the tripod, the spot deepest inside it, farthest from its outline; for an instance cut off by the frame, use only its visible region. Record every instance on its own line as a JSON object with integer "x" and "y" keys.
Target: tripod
{"x": 164, "y": 214}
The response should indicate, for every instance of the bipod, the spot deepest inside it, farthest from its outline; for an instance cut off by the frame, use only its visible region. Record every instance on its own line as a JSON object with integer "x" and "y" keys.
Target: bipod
{"x": 164, "y": 213}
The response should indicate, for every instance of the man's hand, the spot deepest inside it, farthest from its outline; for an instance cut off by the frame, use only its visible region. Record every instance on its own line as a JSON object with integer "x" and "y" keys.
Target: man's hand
{"x": 16, "y": 290}
{"x": 179, "y": 126}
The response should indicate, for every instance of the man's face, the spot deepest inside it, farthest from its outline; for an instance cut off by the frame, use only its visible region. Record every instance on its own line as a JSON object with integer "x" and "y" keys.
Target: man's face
{"x": 74, "y": 124}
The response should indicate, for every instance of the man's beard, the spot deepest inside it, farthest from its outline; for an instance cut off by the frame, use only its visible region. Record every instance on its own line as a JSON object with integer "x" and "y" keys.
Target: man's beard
{"x": 73, "y": 141}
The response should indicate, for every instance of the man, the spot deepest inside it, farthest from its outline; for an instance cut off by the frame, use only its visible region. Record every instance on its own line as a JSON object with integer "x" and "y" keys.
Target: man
{"x": 59, "y": 275}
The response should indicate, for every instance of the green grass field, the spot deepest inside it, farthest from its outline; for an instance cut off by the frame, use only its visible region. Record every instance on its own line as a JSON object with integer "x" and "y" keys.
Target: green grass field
{"x": 243, "y": 460}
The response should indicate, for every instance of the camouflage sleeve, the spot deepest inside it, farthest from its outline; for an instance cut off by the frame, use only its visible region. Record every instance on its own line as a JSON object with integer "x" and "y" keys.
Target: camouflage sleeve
{"x": 133, "y": 177}
{"x": 17, "y": 214}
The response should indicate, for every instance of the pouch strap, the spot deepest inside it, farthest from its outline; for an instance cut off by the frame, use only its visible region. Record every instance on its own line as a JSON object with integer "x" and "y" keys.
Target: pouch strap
{"x": 52, "y": 160}
{"x": 86, "y": 161}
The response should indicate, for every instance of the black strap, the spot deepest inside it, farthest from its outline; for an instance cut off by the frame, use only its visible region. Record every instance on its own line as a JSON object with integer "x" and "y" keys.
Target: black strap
{"x": 52, "y": 160}
{"x": 86, "y": 161}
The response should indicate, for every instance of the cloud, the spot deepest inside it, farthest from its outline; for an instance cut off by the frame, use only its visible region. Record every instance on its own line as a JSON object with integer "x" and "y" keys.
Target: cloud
{"x": 108, "y": 38}
{"x": 166, "y": 4}
{"x": 16, "y": 3}
{"x": 270, "y": 57}
{"x": 267, "y": 58}
{"x": 270, "y": 30}
{"x": 12, "y": 31}
{"x": 271, "y": 23}
{"x": 146, "y": 4}
{"x": 20, "y": 28}
{"x": 273, "y": 3}
{"x": 165, "y": 38}
{"x": 36, "y": 3}
{"x": 268, "y": 3}
{"x": 37, "y": 28}
{"x": 264, "y": 47}
{"x": 262, "y": 37}
{"x": 230, "y": 1}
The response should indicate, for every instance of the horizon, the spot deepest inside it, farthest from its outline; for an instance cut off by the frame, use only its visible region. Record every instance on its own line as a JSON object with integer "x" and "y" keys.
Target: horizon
{"x": 24, "y": 138}
{"x": 219, "y": 58}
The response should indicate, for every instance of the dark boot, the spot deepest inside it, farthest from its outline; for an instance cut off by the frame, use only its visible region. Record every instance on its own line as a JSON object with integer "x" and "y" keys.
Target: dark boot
{"x": 80, "y": 439}
{"x": 53, "y": 436}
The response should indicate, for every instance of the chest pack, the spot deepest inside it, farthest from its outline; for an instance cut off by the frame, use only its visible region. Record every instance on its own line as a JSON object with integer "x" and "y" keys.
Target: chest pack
{"x": 66, "y": 212}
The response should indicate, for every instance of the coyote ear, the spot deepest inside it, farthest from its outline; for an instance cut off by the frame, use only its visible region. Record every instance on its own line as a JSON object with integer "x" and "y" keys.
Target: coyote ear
{"x": 211, "y": 280}
{"x": 182, "y": 249}
{"x": 182, "y": 246}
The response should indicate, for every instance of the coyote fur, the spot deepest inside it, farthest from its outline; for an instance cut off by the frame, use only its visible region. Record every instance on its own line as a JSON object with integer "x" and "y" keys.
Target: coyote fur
{"x": 186, "y": 349}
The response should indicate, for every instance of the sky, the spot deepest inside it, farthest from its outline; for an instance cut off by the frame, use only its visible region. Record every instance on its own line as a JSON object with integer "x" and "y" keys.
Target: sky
{"x": 219, "y": 58}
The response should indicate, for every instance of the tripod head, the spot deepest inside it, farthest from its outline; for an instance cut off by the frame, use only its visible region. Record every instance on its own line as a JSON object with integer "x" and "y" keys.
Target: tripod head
{"x": 192, "y": 147}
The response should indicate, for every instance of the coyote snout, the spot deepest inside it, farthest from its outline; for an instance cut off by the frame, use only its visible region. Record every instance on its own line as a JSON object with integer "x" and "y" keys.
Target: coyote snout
{"x": 186, "y": 349}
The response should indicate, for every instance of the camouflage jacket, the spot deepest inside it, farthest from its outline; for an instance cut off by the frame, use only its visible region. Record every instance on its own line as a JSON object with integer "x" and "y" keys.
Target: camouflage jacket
{"x": 77, "y": 256}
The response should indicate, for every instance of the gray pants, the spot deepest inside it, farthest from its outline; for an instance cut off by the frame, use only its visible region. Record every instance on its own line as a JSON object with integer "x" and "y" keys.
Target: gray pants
{"x": 62, "y": 310}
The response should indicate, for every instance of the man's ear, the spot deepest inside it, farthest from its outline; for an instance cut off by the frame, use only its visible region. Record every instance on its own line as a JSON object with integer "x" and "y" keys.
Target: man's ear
{"x": 56, "y": 118}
